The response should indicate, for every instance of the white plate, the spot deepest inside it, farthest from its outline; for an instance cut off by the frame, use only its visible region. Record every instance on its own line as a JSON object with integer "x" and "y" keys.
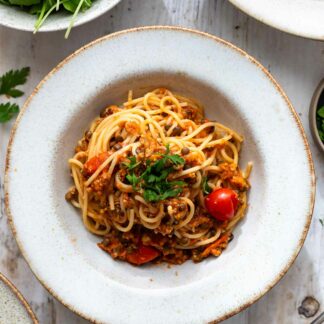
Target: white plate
{"x": 16, "y": 18}
{"x": 13, "y": 307}
{"x": 235, "y": 89}
{"x": 298, "y": 17}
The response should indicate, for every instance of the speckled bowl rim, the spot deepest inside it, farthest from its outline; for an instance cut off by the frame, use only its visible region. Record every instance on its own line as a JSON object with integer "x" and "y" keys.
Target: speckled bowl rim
{"x": 20, "y": 297}
{"x": 312, "y": 115}
{"x": 308, "y": 217}
{"x": 78, "y": 22}
{"x": 269, "y": 22}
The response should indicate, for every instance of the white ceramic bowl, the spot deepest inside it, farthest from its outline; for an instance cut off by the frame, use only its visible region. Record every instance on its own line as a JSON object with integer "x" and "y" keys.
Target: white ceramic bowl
{"x": 16, "y": 18}
{"x": 13, "y": 307}
{"x": 236, "y": 90}
{"x": 298, "y": 17}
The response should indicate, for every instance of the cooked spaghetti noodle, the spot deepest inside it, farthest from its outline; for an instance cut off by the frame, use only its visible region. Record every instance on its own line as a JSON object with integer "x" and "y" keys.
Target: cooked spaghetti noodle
{"x": 141, "y": 174}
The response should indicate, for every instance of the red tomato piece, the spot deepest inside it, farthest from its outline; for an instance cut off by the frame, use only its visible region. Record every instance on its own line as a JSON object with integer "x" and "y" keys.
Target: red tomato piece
{"x": 222, "y": 203}
{"x": 142, "y": 255}
{"x": 94, "y": 163}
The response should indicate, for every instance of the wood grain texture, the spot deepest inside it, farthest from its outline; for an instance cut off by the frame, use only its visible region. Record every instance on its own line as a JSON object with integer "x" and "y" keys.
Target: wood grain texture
{"x": 296, "y": 63}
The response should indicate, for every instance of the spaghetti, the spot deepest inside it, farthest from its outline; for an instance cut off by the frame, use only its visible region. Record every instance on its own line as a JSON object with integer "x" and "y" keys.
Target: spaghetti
{"x": 143, "y": 172}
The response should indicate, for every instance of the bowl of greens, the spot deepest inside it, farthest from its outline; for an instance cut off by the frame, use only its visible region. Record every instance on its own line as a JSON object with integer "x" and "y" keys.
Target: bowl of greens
{"x": 51, "y": 15}
{"x": 316, "y": 116}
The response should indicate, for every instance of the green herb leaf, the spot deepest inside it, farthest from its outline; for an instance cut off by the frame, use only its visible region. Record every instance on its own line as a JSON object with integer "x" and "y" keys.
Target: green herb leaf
{"x": 320, "y": 112}
{"x": 321, "y": 134}
{"x": 11, "y": 79}
{"x": 321, "y": 221}
{"x": 150, "y": 195}
{"x": 205, "y": 187}
{"x": 24, "y": 2}
{"x": 175, "y": 159}
{"x": 133, "y": 179}
{"x": 72, "y": 5}
{"x": 170, "y": 193}
{"x": 7, "y": 111}
{"x": 133, "y": 164}
{"x": 154, "y": 179}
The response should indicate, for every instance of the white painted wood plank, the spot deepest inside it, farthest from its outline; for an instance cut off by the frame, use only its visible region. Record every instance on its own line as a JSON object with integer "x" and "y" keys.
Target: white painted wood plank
{"x": 298, "y": 65}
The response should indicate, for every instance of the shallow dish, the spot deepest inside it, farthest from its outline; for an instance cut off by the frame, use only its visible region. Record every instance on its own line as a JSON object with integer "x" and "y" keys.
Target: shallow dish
{"x": 50, "y": 233}
{"x": 13, "y": 307}
{"x": 301, "y": 17}
{"x": 16, "y": 18}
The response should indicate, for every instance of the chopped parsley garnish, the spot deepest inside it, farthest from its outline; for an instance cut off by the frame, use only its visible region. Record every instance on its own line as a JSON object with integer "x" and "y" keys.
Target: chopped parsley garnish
{"x": 8, "y": 83}
{"x": 205, "y": 186}
{"x": 132, "y": 163}
{"x": 154, "y": 176}
{"x": 321, "y": 221}
{"x": 320, "y": 122}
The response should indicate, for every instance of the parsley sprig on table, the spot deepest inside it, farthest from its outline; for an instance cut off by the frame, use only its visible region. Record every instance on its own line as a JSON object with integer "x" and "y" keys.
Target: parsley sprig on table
{"x": 320, "y": 122}
{"x": 8, "y": 83}
{"x": 152, "y": 177}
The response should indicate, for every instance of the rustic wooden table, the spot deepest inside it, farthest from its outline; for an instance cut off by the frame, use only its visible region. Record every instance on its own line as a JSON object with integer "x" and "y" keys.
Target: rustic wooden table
{"x": 298, "y": 65}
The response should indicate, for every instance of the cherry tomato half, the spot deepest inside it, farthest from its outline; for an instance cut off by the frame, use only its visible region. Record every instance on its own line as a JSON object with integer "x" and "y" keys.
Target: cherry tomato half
{"x": 222, "y": 203}
{"x": 94, "y": 163}
{"x": 142, "y": 255}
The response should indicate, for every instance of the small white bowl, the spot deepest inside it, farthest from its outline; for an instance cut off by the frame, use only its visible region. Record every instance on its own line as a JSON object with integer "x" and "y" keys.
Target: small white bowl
{"x": 14, "y": 17}
{"x": 234, "y": 89}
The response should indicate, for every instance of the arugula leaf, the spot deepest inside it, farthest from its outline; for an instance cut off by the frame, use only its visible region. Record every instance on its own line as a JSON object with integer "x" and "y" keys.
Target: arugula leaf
{"x": 205, "y": 186}
{"x": 11, "y": 79}
{"x": 72, "y": 5}
{"x": 320, "y": 112}
{"x": 321, "y": 134}
{"x": 36, "y": 9}
{"x": 7, "y": 111}
{"x": 24, "y": 2}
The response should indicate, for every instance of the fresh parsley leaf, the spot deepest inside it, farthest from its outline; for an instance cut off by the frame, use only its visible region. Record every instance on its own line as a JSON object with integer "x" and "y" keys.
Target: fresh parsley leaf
{"x": 320, "y": 112}
{"x": 133, "y": 179}
{"x": 205, "y": 187}
{"x": 170, "y": 193}
{"x": 132, "y": 164}
{"x": 7, "y": 111}
{"x": 175, "y": 159}
{"x": 177, "y": 183}
{"x": 321, "y": 221}
{"x": 154, "y": 179}
{"x": 11, "y": 79}
{"x": 150, "y": 195}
